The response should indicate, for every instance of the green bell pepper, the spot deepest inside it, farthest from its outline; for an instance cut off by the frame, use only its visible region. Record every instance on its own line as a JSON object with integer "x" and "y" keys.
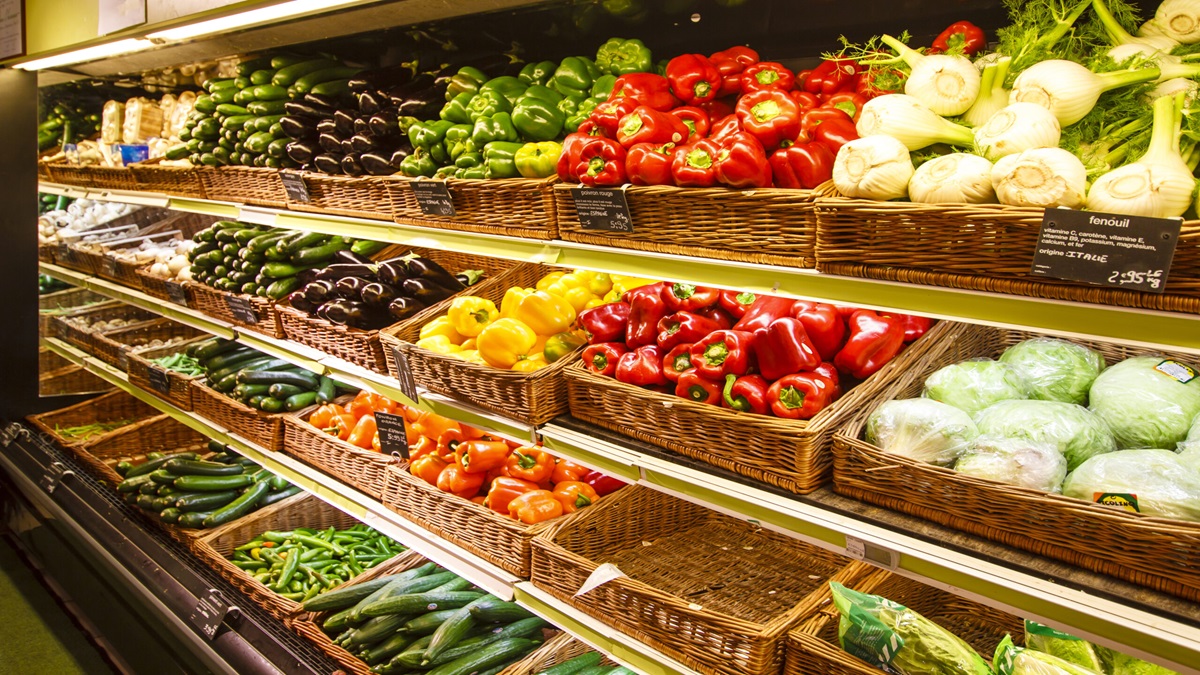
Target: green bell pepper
{"x": 488, "y": 103}
{"x": 575, "y": 76}
{"x": 620, "y": 57}
{"x": 468, "y": 160}
{"x": 466, "y": 79}
{"x": 418, "y": 163}
{"x": 537, "y": 73}
{"x": 498, "y": 127}
{"x": 458, "y": 141}
{"x": 538, "y": 160}
{"x": 456, "y": 110}
{"x": 538, "y": 120}
{"x": 446, "y": 172}
{"x": 475, "y": 172}
{"x": 539, "y": 92}
{"x": 499, "y": 159}
{"x": 603, "y": 86}
{"x": 439, "y": 153}
{"x": 507, "y": 86}
{"x": 580, "y": 114}
{"x": 425, "y": 135}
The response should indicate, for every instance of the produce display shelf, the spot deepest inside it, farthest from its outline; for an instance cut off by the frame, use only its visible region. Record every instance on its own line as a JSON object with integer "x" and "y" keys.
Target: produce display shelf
{"x": 1070, "y": 319}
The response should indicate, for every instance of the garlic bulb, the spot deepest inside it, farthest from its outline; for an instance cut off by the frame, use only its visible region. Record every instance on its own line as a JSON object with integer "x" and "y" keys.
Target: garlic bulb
{"x": 873, "y": 167}
{"x": 1040, "y": 177}
{"x": 905, "y": 118}
{"x": 1016, "y": 128}
{"x": 955, "y": 178}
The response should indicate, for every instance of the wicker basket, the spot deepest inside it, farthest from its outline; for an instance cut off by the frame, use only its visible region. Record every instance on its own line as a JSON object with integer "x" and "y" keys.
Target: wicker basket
{"x": 263, "y": 429}
{"x": 179, "y": 389}
{"x": 1159, "y": 553}
{"x": 49, "y": 361}
{"x": 92, "y": 176}
{"x": 362, "y": 347}
{"x": 155, "y": 434}
{"x": 61, "y": 302}
{"x": 716, "y": 593}
{"x": 518, "y": 207}
{"x": 244, "y": 185}
{"x": 108, "y": 408}
{"x": 91, "y": 260}
{"x": 126, "y": 273}
{"x": 71, "y": 381}
{"x": 215, "y": 303}
{"x": 789, "y": 454}
{"x": 114, "y": 346}
{"x": 179, "y": 181}
{"x": 981, "y": 247}
{"x": 813, "y": 648}
{"x": 768, "y": 227}
{"x": 107, "y": 311}
{"x": 357, "y": 197}
{"x": 533, "y": 398}
{"x": 560, "y": 648}
{"x": 158, "y": 287}
{"x": 217, "y": 545}
{"x": 364, "y": 470}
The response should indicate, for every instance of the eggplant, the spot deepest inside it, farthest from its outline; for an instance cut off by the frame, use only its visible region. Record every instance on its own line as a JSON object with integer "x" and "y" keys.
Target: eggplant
{"x": 404, "y": 307}
{"x": 306, "y": 109}
{"x": 323, "y": 311}
{"x": 372, "y": 101}
{"x": 350, "y": 287}
{"x": 384, "y": 124}
{"x": 330, "y": 143}
{"x": 302, "y": 152}
{"x": 424, "y": 268}
{"x": 306, "y": 276}
{"x": 319, "y": 291}
{"x": 330, "y": 102}
{"x": 442, "y": 76}
{"x": 420, "y": 82}
{"x": 381, "y": 78}
{"x": 347, "y": 257}
{"x": 298, "y": 127}
{"x": 376, "y": 165}
{"x": 469, "y": 277}
{"x": 341, "y": 270}
{"x": 363, "y": 143}
{"x": 298, "y": 300}
{"x": 343, "y": 311}
{"x": 345, "y": 123}
{"x": 403, "y": 149}
{"x": 327, "y": 127}
{"x": 351, "y": 165}
{"x": 378, "y": 295}
{"x": 327, "y": 163}
{"x": 424, "y": 290}
{"x": 423, "y": 106}
{"x": 361, "y": 125}
{"x": 393, "y": 272}
{"x": 347, "y": 146}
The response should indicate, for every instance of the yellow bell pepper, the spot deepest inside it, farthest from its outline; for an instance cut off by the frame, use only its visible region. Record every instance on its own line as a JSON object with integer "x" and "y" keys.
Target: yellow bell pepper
{"x": 505, "y": 341}
{"x": 512, "y": 298}
{"x": 469, "y": 314}
{"x": 549, "y": 279}
{"x": 441, "y": 326}
{"x": 439, "y": 344}
{"x": 579, "y": 298}
{"x": 562, "y": 344}
{"x": 545, "y": 313}
{"x": 621, "y": 284}
{"x": 600, "y": 283}
{"x": 612, "y": 296}
{"x": 530, "y": 364}
{"x": 596, "y": 301}
{"x": 471, "y": 356}
{"x": 468, "y": 344}
{"x": 540, "y": 344}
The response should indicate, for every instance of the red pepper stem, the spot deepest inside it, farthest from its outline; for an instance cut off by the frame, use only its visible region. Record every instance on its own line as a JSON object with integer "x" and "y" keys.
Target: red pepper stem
{"x": 791, "y": 398}
{"x": 740, "y": 403}
{"x": 767, "y": 110}
{"x": 766, "y": 76}
{"x": 716, "y": 353}
{"x": 600, "y": 362}
{"x": 699, "y": 159}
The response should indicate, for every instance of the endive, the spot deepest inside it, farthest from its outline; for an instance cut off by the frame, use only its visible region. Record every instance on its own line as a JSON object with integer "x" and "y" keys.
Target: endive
{"x": 911, "y": 122}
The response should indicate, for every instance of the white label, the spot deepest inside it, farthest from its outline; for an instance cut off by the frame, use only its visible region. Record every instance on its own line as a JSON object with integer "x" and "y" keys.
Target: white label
{"x": 603, "y": 574}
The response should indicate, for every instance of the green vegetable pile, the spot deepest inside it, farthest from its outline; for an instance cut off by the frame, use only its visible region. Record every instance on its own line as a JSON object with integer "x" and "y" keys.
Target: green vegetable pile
{"x": 260, "y": 381}
{"x": 302, "y": 563}
{"x": 86, "y": 431}
{"x": 180, "y": 363}
{"x": 588, "y": 663}
{"x": 48, "y": 284}
{"x": 64, "y": 123}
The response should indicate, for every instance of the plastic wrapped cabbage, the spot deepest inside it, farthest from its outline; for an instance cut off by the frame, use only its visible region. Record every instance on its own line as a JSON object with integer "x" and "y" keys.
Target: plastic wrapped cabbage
{"x": 1013, "y": 660}
{"x": 1191, "y": 443}
{"x": 1146, "y": 401}
{"x": 892, "y": 637}
{"x": 1071, "y": 429}
{"x": 974, "y": 385}
{"x": 1037, "y": 466}
{"x": 1153, "y": 482}
{"x": 921, "y": 429}
{"x": 1063, "y": 645}
{"x": 1116, "y": 663}
{"x": 1056, "y": 370}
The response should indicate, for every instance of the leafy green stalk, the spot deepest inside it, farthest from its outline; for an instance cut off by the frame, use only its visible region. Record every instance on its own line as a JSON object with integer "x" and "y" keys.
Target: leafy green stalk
{"x": 1041, "y": 30}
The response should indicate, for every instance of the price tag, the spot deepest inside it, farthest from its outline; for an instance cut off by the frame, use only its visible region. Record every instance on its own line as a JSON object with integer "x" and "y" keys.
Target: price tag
{"x": 861, "y": 550}
{"x": 209, "y": 612}
{"x": 408, "y": 386}
{"x": 160, "y": 381}
{"x": 176, "y": 293}
{"x": 294, "y": 186}
{"x": 108, "y": 266}
{"x": 241, "y": 309}
{"x": 53, "y": 476}
{"x": 123, "y": 362}
{"x": 1131, "y": 252}
{"x": 433, "y": 196}
{"x": 393, "y": 439}
{"x": 64, "y": 250}
{"x": 602, "y": 209}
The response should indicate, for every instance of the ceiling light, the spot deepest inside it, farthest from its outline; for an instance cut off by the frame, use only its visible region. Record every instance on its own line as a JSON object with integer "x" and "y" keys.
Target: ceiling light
{"x": 101, "y": 51}
{"x": 252, "y": 17}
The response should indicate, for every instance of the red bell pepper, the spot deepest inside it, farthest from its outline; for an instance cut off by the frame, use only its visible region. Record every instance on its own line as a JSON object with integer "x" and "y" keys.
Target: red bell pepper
{"x": 603, "y": 484}
{"x": 694, "y": 387}
{"x": 747, "y": 393}
{"x": 722, "y": 353}
{"x": 914, "y": 326}
{"x": 737, "y": 302}
{"x": 801, "y": 79}
{"x": 832, "y": 76}
{"x": 763, "y": 312}
{"x": 874, "y": 340}
{"x": 642, "y": 366}
{"x": 831, "y": 373}
{"x": 681, "y": 297}
{"x": 717, "y": 315}
{"x": 601, "y": 162}
{"x": 846, "y": 311}
{"x": 805, "y": 100}
{"x": 607, "y": 115}
{"x": 677, "y": 361}
{"x": 646, "y": 309}
{"x": 648, "y": 89}
{"x": 718, "y": 108}
{"x": 602, "y": 358}
{"x": 830, "y": 126}
{"x": 682, "y": 327}
{"x": 647, "y": 125}
{"x": 693, "y": 78}
{"x": 730, "y": 63}
{"x": 605, "y": 323}
{"x": 724, "y": 127}
{"x": 783, "y": 348}
{"x": 824, "y": 325}
{"x": 849, "y": 102}
{"x": 569, "y": 159}
{"x": 695, "y": 165}
{"x": 770, "y": 115}
{"x": 802, "y": 165}
{"x": 960, "y": 37}
{"x": 800, "y": 396}
{"x": 695, "y": 119}
{"x": 650, "y": 164}
{"x": 767, "y": 75}
{"x": 742, "y": 162}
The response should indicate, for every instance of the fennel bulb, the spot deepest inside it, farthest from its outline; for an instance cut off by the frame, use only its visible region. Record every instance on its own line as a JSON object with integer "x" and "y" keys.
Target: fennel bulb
{"x": 905, "y": 118}
{"x": 956, "y": 178}
{"x": 1043, "y": 177}
{"x": 1170, "y": 67}
{"x": 1174, "y": 86}
{"x": 1159, "y": 184}
{"x": 992, "y": 94}
{"x": 1070, "y": 90}
{"x": 946, "y": 84}
{"x": 1017, "y": 128}
{"x": 873, "y": 167}
{"x": 1119, "y": 36}
{"x": 1179, "y": 20}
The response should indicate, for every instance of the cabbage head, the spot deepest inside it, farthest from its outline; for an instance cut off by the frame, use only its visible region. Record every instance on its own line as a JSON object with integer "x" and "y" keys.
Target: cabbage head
{"x": 1037, "y": 466}
{"x": 1165, "y": 484}
{"x": 921, "y": 429}
{"x": 1013, "y": 660}
{"x": 1145, "y": 407}
{"x": 1056, "y": 370}
{"x": 1123, "y": 664}
{"x": 974, "y": 385}
{"x": 1071, "y": 429}
{"x": 1063, "y": 645}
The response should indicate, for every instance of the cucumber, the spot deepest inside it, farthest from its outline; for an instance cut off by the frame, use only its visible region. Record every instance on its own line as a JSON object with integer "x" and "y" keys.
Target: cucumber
{"x": 282, "y": 287}
{"x": 226, "y": 95}
{"x": 205, "y": 104}
{"x": 301, "y": 240}
{"x": 284, "y": 60}
{"x": 205, "y": 501}
{"x": 500, "y": 651}
{"x": 224, "y": 83}
{"x": 428, "y": 622}
{"x": 266, "y": 107}
{"x": 374, "y": 630}
{"x": 572, "y": 666}
{"x": 258, "y": 142}
{"x": 238, "y": 507}
{"x": 333, "y": 88}
{"x": 386, "y": 649}
{"x": 410, "y": 657}
{"x": 269, "y": 92}
{"x": 339, "y": 620}
{"x": 281, "y": 495}
{"x": 429, "y": 601}
{"x": 307, "y": 381}
{"x": 247, "y": 68}
{"x": 237, "y": 121}
{"x": 178, "y": 151}
{"x": 229, "y": 358}
{"x": 265, "y": 122}
{"x": 260, "y": 243}
{"x": 213, "y": 483}
{"x": 262, "y": 76}
{"x": 348, "y": 596}
{"x": 319, "y": 254}
{"x": 244, "y": 237}
{"x": 499, "y": 611}
{"x": 279, "y": 270}
{"x": 308, "y": 82}
{"x": 191, "y": 467}
{"x": 401, "y": 586}
{"x": 231, "y": 109}
{"x": 527, "y": 628}
{"x": 270, "y": 404}
{"x": 145, "y": 502}
{"x": 366, "y": 247}
{"x": 287, "y": 76}
{"x": 154, "y": 464}
{"x": 194, "y": 519}
{"x": 454, "y": 629}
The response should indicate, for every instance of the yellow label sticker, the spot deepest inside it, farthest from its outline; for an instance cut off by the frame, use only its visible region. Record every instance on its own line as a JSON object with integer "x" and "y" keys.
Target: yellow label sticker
{"x": 1177, "y": 371}
{"x": 1118, "y": 500}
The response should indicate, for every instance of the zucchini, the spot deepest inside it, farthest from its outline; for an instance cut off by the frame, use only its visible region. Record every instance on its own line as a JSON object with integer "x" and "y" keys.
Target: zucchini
{"x": 347, "y": 597}
{"x": 224, "y": 83}
{"x": 266, "y": 107}
{"x": 194, "y": 519}
{"x": 307, "y": 381}
{"x": 237, "y": 121}
{"x": 229, "y": 358}
{"x": 429, "y": 601}
{"x": 279, "y": 270}
{"x": 150, "y": 465}
{"x": 366, "y": 247}
{"x": 300, "y": 240}
{"x": 246, "y": 68}
{"x": 572, "y": 666}
{"x": 238, "y": 507}
{"x": 257, "y": 143}
{"x": 319, "y": 254}
{"x": 262, "y": 76}
{"x": 192, "y": 467}
{"x": 499, "y": 611}
{"x": 282, "y": 287}
{"x": 244, "y": 237}
{"x": 226, "y": 95}
{"x": 231, "y": 109}
{"x": 163, "y": 477}
{"x": 170, "y": 515}
{"x": 287, "y": 76}
{"x": 308, "y": 82}
{"x": 269, "y": 92}
{"x": 326, "y": 391}
{"x": 177, "y": 152}
{"x": 282, "y": 390}
{"x": 161, "y": 503}
{"x": 332, "y": 88}
{"x": 213, "y": 483}
{"x": 145, "y": 502}
{"x": 281, "y": 495}
{"x": 260, "y": 243}
{"x": 284, "y": 60}
{"x": 205, "y": 104}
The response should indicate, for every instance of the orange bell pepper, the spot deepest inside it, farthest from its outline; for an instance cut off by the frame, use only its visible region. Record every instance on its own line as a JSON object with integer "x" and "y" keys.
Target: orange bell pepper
{"x": 504, "y": 490}
{"x": 427, "y": 468}
{"x": 498, "y": 472}
{"x": 423, "y": 447}
{"x": 433, "y": 425}
{"x": 375, "y": 444}
{"x": 471, "y": 433}
{"x": 361, "y": 405}
{"x": 535, "y": 506}
{"x": 341, "y": 425}
{"x": 481, "y": 456}
{"x": 364, "y": 431}
{"x": 321, "y": 416}
{"x": 454, "y": 480}
{"x": 411, "y": 415}
{"x": 566, "y": 470}
{"x": 479, "y": 499}
{"x": 531, "y": 463}
{"x": 447, "y": 445}
{"x": 575, "y": 495}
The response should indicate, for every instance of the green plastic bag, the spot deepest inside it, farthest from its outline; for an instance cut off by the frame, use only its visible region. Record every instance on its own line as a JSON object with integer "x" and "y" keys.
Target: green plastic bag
{"x": 1063, "y": 645}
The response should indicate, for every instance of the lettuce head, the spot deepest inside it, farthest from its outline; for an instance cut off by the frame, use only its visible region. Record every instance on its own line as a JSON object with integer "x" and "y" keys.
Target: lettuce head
{"x": 1056, "y": 370}
{"x": 1071, "y": 429}
{"x": 1146, "y": 401}
{"x": 921, "y": 429}
{"x": 974, "y": 385}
